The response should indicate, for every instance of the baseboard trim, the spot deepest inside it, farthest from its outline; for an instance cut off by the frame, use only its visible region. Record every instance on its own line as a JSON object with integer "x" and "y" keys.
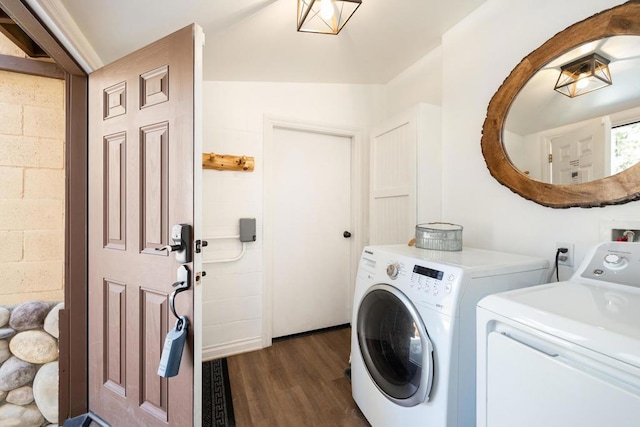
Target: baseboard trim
{"x": 226, "y": 350}
{"x": 315, "y": 331}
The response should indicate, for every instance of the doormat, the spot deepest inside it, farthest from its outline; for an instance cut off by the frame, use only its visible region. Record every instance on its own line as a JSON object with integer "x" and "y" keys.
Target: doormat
{"x": 217, "y": 404}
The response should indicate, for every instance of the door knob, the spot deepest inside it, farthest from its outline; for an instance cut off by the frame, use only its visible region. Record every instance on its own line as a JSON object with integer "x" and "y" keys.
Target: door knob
{"x": 170, "y": 248}
{"x": 181, "y": 235}
{"x": 346, "y": 234}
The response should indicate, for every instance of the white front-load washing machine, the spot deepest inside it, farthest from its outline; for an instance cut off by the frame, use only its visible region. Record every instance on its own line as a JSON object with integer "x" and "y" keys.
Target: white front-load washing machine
{"x": 413, "y": 330}
{"x": 567, "y": 353}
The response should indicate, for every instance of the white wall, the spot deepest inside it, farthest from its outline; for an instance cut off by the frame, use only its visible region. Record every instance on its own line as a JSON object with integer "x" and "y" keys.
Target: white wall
{"x": 478, "y": 54}
{"x": 233, "y": 124}
{"x": 420, "y": 83}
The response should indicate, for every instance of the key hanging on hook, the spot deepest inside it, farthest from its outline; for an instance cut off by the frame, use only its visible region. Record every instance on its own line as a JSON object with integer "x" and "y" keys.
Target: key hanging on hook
{"x": 176, "y": 337}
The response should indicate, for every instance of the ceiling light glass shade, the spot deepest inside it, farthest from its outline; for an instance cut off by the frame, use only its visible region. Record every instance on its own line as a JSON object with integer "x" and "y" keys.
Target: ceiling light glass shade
{"x": 325, "y": 16}
{"x": 583, "y": 76}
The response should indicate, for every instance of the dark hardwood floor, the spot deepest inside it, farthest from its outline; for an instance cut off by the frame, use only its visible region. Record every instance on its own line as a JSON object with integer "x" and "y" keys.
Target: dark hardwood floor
{"x": 296, "y": 382}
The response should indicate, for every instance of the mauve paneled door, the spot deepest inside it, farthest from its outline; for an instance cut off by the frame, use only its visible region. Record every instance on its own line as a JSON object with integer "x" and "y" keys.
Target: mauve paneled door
{"x": 141, "y": 182}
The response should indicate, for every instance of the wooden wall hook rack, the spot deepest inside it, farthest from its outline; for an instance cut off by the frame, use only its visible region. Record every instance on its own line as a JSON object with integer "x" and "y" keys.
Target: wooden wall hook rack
{"x": 225, "y": 162}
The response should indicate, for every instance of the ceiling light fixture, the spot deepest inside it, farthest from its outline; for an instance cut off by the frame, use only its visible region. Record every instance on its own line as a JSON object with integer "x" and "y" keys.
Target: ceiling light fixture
{"x": 583, "y": 75}
{"x": 325, "y": 16}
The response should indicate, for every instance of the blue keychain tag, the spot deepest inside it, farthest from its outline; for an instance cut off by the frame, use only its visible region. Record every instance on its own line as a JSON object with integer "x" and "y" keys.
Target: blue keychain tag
{"x": 173, "y": 346}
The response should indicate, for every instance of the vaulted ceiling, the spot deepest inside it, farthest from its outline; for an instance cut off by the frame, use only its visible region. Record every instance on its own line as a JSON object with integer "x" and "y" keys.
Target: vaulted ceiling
{"x": 256, "y": 40}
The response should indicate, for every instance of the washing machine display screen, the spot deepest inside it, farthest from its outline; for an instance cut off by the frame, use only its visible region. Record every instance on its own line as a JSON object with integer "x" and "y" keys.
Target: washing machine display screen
{"x": 429, "y": 272}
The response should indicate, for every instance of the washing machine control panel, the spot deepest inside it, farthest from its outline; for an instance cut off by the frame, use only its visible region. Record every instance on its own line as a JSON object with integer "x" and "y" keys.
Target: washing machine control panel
{"x": 435, "y": 286}
{"x": 432, "y": 284}
{"x": 613, "y": 262}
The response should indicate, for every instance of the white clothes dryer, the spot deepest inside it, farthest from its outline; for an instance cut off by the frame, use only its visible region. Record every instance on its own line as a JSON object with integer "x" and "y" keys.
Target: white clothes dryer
{"x": 567, "y": 353}
{"x": 413, "y": 330}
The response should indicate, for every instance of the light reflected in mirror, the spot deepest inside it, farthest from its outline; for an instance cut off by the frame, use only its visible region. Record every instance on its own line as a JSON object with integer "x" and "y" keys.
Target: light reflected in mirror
{"x": 623, "y": 187}
{"x": 588, "y": 137}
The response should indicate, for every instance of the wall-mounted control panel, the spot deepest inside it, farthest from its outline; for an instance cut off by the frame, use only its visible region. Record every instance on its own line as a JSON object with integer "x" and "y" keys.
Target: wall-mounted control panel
{"x": 247, "y": 229}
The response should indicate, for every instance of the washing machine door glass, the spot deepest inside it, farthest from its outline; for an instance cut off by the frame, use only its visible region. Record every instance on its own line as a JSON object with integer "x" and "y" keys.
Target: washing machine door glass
{"x": 395, "y": 345}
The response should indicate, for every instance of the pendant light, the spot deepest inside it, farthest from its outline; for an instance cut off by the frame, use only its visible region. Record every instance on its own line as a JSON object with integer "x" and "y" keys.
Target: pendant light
{"x": 583, "y": 75}
{"x": 325, "y": 16}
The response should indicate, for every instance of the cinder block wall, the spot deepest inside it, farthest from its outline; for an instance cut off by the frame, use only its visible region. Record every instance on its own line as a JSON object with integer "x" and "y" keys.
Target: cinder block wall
{"x": 32, "y": 185}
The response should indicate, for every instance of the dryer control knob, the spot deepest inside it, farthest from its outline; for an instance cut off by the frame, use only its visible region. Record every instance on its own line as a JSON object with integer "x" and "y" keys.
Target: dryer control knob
{"x": 615, "y": 261}
{"x": 393, "y": 270}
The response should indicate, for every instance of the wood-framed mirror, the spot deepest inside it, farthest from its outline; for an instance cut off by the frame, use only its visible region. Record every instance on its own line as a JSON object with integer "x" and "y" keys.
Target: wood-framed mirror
{"x": 587, "y": 36}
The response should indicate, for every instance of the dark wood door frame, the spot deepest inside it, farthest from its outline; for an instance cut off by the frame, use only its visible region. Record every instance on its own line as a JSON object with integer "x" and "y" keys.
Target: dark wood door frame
{"x": 73, "y": 394}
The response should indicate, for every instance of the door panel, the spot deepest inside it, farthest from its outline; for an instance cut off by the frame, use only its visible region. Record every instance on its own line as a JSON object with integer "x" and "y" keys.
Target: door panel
{"x": 392, "y": 201}
{"x": 154, "y": 165}
{"x": 114, "y": 187}
{"x": 141, "y": 182}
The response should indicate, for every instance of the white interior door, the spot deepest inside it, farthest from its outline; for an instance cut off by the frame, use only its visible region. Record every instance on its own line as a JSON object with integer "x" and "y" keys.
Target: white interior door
{"x": 310, "y": 199}
{"x": 579, "y": 155}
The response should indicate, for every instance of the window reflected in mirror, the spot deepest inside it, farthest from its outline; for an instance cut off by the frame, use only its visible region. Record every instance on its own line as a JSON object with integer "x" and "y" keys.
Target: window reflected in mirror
{"x": 625, "y": 146}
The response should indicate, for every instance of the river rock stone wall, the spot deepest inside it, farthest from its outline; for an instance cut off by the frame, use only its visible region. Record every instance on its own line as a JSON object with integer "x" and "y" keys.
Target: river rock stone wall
{"x": 29, "y": 364}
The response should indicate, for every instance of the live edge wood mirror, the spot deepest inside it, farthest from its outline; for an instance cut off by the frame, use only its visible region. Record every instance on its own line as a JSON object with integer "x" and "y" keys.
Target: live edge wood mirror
{"x": 527, "y": 120}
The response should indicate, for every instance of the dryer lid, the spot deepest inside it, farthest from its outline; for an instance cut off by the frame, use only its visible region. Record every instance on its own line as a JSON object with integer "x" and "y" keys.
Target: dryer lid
{"x": 602, "y": 318}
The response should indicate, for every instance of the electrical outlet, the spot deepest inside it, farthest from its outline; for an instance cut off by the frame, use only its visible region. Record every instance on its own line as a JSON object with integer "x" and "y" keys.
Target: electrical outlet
{"x": 567, "y": 257}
